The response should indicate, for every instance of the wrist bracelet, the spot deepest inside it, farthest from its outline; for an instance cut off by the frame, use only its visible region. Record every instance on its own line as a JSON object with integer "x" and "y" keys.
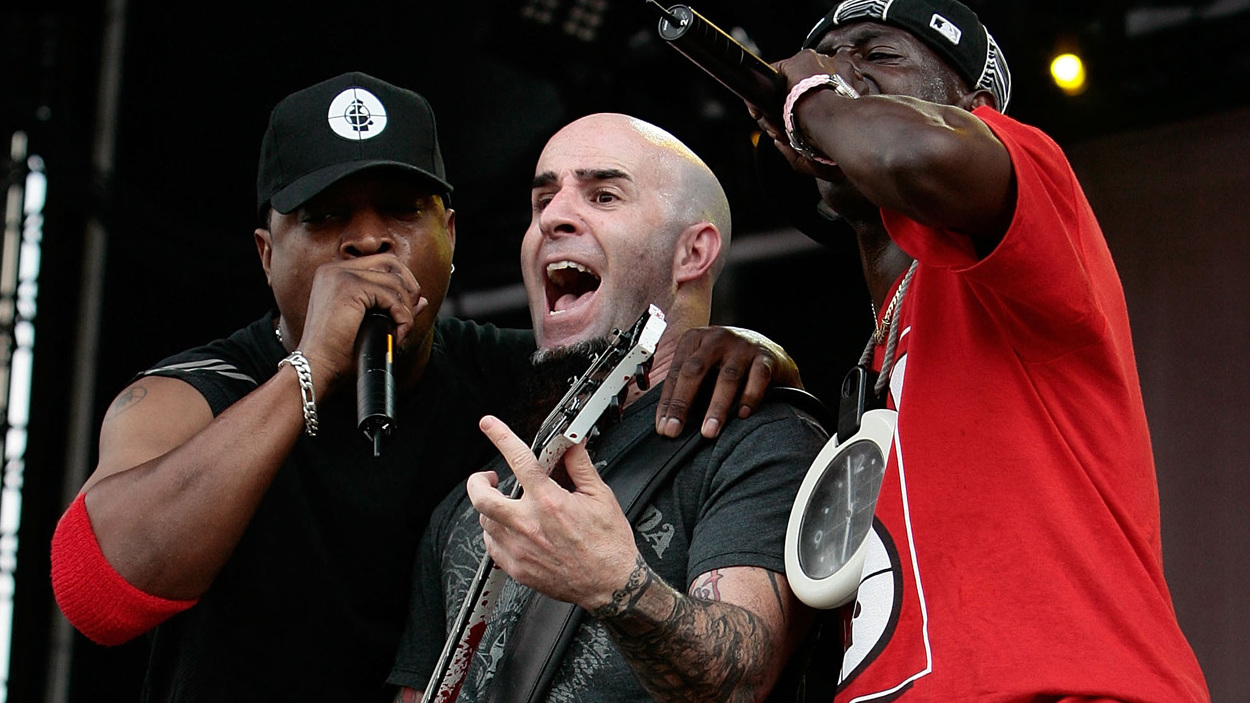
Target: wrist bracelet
{"x": 299, "y": 362}
{"x": 833, "y": 82}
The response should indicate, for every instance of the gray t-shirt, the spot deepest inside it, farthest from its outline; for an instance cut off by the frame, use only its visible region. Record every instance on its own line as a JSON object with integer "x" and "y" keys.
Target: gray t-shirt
{"x": 727, "y": 506}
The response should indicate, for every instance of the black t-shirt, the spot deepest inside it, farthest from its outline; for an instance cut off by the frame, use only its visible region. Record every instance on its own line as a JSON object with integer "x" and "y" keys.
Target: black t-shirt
{"x": 311, "y": 603}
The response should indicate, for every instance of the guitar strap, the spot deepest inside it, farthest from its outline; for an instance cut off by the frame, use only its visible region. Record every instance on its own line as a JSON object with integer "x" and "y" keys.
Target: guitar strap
{"x": 546, "y": 626}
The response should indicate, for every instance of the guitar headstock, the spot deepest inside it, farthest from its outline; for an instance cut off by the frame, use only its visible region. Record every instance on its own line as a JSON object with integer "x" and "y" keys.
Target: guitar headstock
{"x": 608, "y": 376}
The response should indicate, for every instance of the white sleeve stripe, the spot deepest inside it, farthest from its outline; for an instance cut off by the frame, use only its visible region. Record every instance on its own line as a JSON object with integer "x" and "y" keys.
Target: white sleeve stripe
{"x": 216, "y": 366}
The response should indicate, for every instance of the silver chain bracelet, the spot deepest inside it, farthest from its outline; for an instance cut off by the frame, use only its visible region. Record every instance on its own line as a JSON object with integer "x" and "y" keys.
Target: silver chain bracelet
{"x": 299, "y": 362}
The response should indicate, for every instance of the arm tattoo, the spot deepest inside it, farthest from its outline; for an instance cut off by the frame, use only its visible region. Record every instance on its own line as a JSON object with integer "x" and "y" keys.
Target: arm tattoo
{"x": 128, "y": 399}
{"x": 688, "y": 648}
{"x": 781, "y": 603}
{"x": 625, "y": 597}
{"x": 707, "y": 589}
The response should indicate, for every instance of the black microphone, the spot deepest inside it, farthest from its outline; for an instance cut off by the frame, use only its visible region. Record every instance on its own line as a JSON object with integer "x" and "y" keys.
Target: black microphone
{"x": 747, "y": 75}
{"x": 375, "y": 382}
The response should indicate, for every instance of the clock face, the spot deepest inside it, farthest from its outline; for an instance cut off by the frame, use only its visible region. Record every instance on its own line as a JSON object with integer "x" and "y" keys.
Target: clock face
{"x": 831, "y": 519}
{"x": 839, "y": 512}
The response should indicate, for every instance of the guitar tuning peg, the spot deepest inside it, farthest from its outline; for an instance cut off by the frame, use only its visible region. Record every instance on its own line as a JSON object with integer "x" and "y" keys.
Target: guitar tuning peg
{"x": 592, "y": 434}
{"x": 614, "y": 406}
{"x": 640, "y": 375}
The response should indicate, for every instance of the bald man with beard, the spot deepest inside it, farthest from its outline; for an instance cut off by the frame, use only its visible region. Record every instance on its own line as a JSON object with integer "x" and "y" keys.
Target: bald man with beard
{"x": 689, "y": 603}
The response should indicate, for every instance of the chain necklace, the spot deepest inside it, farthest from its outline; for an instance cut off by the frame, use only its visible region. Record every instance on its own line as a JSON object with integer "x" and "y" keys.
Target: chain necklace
{"x": 882, "y": 326}
{"x": 887, "y": 331}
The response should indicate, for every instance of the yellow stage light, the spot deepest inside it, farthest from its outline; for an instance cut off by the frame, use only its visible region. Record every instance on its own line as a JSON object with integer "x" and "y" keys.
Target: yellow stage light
{"x": 1069, "y": 73}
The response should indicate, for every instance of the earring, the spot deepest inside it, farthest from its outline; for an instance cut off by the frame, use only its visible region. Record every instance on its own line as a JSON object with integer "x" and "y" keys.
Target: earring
{"x": 453, "y": 270}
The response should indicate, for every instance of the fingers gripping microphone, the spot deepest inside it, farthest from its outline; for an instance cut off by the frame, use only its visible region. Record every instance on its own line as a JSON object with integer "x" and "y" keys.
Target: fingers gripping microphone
{"x": 710, "y": 48}
{"x": 375, "y": 382}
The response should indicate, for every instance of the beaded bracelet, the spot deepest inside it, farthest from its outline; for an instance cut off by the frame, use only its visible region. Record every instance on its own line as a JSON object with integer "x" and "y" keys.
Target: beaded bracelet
{"x": 299, "y": 362}
{"x": 835, "y": 83}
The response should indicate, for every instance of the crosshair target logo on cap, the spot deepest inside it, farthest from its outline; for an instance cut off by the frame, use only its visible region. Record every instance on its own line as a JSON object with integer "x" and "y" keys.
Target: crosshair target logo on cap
{"x": 357, "y": 114}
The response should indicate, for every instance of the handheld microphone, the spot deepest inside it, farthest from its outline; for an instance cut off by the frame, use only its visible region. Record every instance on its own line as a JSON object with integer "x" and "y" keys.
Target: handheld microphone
{"x": 375, "y": 381}
{"x": 710, "y": 48}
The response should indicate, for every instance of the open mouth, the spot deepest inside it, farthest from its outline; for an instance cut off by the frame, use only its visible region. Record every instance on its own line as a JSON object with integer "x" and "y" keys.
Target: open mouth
{"x": 568, "y": 284}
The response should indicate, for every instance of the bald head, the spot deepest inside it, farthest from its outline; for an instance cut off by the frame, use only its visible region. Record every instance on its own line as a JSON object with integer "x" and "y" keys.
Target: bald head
{"x": 689, "y": 190}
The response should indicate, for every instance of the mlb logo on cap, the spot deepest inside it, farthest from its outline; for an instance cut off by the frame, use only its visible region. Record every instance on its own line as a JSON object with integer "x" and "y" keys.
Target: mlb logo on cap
{"x": 946, "y": 28}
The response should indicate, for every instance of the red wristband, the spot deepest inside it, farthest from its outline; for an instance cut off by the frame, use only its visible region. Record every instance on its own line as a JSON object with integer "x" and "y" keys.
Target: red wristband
{"x": 92, "y": 595}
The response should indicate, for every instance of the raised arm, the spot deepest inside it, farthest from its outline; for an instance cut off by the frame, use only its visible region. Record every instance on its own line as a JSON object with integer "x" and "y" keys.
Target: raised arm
{"x": 175, "y": 488}
{"x": 936, "y": 163}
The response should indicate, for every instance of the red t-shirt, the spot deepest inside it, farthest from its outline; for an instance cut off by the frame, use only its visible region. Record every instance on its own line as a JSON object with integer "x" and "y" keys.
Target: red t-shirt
{"x": 1016, "y": 550}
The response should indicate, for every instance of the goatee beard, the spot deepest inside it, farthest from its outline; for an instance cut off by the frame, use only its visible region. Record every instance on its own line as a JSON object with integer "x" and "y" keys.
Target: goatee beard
{"x": 552, "y": 373}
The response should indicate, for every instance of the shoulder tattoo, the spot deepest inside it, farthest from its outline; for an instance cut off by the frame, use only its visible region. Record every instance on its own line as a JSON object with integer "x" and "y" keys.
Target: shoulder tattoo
{"x": 128, "y": 398}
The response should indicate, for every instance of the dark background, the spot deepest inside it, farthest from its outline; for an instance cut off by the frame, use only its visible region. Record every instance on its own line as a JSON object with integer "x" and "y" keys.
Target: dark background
{"x": 196, "y": 82}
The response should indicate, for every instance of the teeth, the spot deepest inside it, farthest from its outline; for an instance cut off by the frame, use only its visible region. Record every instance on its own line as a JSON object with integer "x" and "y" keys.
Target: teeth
{"x": 560, "y": 265}
{"x": 569, "y": 282}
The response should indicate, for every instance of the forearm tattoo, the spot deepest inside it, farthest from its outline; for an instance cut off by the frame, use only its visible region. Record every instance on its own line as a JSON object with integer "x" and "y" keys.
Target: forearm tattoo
{"x": 687, "y": 648}
{"x": 625, "y": 597}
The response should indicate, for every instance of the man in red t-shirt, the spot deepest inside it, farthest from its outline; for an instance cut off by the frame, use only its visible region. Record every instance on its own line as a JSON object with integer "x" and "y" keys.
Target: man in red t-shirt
{"x": 1015, "y": 554}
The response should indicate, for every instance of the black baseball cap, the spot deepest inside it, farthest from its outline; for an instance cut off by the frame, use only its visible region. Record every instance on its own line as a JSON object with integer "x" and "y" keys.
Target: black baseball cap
{"x": 948, "y": 27}
{"x": 338, "y": 127}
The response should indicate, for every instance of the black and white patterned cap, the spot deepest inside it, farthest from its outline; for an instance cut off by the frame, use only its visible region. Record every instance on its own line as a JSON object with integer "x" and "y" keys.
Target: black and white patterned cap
{"x": 950, "y": 28}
